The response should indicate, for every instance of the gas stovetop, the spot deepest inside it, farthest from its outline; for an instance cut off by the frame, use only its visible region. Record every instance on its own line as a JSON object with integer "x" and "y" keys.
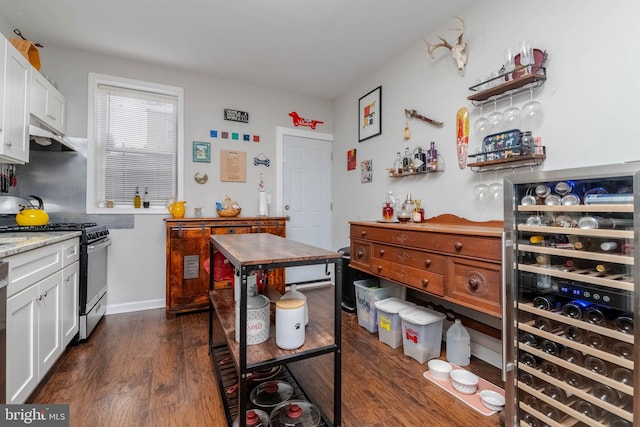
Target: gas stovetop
{"x": 90, "y": 230}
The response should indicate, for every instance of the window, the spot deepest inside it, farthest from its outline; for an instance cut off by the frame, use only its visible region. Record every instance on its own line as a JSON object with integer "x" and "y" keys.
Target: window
{"x": 135, "y": 144}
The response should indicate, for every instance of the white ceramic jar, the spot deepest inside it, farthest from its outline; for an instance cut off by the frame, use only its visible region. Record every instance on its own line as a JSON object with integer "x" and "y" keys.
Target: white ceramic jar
{"x": 293, "y": 293}
{"x": 290, "y": 323}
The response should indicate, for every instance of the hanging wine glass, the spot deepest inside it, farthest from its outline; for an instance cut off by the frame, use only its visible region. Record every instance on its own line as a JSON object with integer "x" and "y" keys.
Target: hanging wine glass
{"x": 482, "y": 125}
{"x": 481, "y": 191}
{"x": 532, "y": 113}
{"x": 495, "y": 119}
{"x": 511, "y": 116}
{"x": 526, "y": 56}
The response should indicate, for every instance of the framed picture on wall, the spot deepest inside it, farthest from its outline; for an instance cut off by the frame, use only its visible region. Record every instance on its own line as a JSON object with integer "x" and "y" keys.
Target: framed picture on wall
{"x": 370, "y": 114}
{"x": 201, "y": 152}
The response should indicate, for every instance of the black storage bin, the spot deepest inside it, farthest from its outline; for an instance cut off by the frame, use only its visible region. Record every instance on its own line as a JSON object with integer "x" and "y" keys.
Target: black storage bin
{"x": 349, "y": 275}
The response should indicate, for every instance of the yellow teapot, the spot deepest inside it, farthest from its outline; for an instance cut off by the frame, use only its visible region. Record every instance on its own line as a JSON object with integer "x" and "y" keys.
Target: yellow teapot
{"x": 32, "y": 215}
{"x": 176, "y": 209}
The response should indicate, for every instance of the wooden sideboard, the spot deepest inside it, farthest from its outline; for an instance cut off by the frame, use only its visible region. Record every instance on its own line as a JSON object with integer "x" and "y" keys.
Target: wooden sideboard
{"x": 187, "y": 248}
{"x": 449, "y": 257}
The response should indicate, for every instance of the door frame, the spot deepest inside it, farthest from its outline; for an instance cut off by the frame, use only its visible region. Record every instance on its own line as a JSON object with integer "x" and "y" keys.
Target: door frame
{"x": 281, "y": 132}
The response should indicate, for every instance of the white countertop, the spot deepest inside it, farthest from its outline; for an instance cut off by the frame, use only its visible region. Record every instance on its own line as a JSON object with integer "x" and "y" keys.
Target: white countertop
{"x": 13, "y": 243}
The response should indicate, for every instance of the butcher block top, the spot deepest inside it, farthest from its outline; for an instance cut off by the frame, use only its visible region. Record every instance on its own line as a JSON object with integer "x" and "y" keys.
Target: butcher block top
{"x": 267, "y": 249}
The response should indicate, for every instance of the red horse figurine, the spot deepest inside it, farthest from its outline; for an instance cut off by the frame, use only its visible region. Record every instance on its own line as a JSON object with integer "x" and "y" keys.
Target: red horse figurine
{"x": 299, "y": 121}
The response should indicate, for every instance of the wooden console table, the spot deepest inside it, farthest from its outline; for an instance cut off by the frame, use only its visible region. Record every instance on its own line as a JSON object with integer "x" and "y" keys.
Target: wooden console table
{"x": 262, "y": 251}
{"x": 452, "y": 258}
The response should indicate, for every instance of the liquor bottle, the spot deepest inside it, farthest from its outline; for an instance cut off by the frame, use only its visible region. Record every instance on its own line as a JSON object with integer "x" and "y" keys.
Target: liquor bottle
{"x": 597, "y": 314}
{"x": 388, "y": 207}
{"x": 405, "y": 161}
{"x": 547, "y": 325}
{"x": 623, "y": 375}
{"x": 624, "y": 323}
{"x": 551, "y": 347}
{"x": 573, "y": 333}
{"x": 575, "y": 309}
{"x": 576, "y": 380}
{"x": 137, "y": 201}
{"x": 546, "y": 302}
{"x": 572, "y": 355}
{"x": 432, "y": 156}
{"x": 594, "y": 340}
{"x": 397, "y": 165}
{"x": 588, "y": 409}
{"x": 420, "y": 160}
{"x": 528, "y": 339}
{"x": 145, "y": 198}
{"x": 596, "y": 365}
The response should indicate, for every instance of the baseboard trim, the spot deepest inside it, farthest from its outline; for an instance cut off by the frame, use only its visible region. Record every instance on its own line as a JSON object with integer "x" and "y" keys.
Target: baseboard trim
{"x": 135, "y": 306}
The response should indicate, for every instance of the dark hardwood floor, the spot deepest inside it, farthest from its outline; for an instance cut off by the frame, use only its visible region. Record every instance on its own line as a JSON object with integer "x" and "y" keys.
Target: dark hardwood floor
{"x": 143, "y": 369}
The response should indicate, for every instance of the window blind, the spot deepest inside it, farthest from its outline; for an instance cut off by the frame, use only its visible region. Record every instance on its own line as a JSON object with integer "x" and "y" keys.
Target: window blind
{"x": 136, "y": 145}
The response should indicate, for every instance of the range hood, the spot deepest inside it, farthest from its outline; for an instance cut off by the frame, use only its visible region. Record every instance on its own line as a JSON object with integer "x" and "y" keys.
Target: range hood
{"x": 43, "y": 139}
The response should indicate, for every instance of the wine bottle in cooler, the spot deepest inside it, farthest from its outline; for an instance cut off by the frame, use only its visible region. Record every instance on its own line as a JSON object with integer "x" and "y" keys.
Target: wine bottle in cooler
{"x": 575, "y": 308}
{"x": 598, "y": 314}
{"x": 573, "y": 333}
{"x": 572, "y": 355}
{"x": 547, "y": 325}
{"x": 596, "y": 365}
{"x": 551, "y": 347}
{"x": 588, "y": 409}
{"x": 623, "y": 375}
{"x": 547, "y": 302}
{"x": 595, "y": 340}
{"x": 624, "y": 323}
{"x": 576, "y": 380}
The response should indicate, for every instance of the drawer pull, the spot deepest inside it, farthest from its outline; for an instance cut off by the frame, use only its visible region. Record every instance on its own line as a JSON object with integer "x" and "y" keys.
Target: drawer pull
{"x": 379, "y": 268}
{"x": 360, "y": 254}
{"x": 363, "y": 233}
{"x": 381, "y": 252}
{"x": 473, "y": 283}
{"x": 425, "y": 282}
{"x": 427, "y": 262}
{"x": 458, "y": 246}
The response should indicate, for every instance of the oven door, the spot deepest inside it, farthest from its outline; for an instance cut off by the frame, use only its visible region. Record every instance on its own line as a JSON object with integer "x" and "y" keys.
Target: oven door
{"x": 96, "y": 272}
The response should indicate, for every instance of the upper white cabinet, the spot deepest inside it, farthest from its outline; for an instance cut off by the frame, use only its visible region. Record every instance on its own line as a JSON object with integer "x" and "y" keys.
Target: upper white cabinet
{"x": 47, "y": 103}
{"x": 15, "y": 85}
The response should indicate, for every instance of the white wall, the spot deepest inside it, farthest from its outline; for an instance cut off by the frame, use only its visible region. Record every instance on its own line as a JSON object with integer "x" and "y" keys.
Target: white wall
{"x": 137, "y": 256}
{"x": 590, "y": 102}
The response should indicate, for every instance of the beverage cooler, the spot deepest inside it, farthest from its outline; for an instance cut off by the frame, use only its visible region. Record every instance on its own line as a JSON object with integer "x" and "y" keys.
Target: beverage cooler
{"x": 570, "y": 265}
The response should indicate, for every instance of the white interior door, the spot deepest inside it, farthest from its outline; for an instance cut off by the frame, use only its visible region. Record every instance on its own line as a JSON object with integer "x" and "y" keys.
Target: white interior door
{"x": 307, "y": 199}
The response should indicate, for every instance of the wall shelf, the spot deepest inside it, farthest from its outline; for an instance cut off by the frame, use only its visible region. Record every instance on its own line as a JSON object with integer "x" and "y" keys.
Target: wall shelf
{"x": 513, "y": 87}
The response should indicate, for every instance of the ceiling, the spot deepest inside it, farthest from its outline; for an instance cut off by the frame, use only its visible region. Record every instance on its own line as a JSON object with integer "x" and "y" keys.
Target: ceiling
{"x": 315, "y": 48}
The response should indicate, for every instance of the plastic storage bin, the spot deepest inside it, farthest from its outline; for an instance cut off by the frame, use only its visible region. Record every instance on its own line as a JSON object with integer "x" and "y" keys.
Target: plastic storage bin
{"x": 369, "y": 291}
{"x": 421, "y": 333}
{"x": 389, "y": 322}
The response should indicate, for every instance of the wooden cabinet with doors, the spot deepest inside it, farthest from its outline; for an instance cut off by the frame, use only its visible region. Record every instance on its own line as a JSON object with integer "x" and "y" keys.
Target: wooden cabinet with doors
{"x": 187, "y": 263}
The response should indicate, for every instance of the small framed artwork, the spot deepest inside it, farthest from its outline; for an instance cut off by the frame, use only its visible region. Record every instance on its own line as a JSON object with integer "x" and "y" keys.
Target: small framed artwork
{"x": 366, "y": 171}
{"x": 201, "y": 152}
{"x": 370, "y": 114}
{"x": 351, "y": 159}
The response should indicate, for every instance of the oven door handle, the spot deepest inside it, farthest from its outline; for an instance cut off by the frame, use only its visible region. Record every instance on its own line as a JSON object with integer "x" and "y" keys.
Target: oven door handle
{"x": 99, "y": 245}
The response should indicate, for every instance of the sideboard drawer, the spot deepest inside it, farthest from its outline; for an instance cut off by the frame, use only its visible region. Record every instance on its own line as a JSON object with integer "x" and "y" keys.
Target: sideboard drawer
{"x": 477, "y": 283}
{"x": 361, "y": 254}
{"x": 419, "y": 259}
{"x": 414, "y": 277}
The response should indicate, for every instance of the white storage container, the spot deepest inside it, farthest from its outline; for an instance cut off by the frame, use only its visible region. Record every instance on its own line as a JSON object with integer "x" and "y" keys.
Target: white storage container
{"x": 369, "y": 291}
{"x": 389, "y": 322}
{"x": 421, "y": 333}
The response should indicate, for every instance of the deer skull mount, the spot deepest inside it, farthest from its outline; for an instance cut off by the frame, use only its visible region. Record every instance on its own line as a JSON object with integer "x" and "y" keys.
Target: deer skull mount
{"x": 458, "y": 50}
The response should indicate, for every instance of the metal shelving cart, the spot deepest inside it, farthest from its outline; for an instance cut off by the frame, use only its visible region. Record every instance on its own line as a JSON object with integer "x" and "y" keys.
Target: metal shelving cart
{"x": 232, "y": 361}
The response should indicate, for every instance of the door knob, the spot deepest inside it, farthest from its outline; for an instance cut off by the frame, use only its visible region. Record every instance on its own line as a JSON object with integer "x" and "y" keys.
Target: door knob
{"x": 288, "y": 218}
{"x": 286, "y": 207}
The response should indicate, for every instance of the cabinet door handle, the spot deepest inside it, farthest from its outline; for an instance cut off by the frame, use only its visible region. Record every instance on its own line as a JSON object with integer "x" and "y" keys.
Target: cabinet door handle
{"x": 8, "y": 143}
{"x": 425, "y": 282}
{"x": 360, "y": 254}
{"x": 458, "y": 246}
{"x": 363, "y": 233}
{"x": 427, "y": 262}
{"x": 381, "y": 252}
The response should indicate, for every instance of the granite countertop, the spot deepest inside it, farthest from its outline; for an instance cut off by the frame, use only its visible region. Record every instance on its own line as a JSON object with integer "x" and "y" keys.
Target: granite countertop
{"x": 13, "y": 243}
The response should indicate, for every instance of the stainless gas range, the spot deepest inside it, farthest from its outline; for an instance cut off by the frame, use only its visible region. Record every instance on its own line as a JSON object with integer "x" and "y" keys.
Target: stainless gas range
{"x": 93, "y": 268}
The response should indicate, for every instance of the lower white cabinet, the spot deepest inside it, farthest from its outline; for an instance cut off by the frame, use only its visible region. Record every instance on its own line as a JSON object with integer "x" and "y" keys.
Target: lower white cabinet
{"x": 42, "y": 316}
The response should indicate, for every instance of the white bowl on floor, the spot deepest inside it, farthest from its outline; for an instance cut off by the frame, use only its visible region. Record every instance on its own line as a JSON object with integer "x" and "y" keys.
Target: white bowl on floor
{"x": 439, "y": 369}
{"x": 464, "y": 381}
{"x": 492, "y": 400}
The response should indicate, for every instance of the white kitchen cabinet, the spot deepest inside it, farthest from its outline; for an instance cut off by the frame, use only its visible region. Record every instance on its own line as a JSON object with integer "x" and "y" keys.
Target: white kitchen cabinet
{"x": 42, "y": 313}
{"x": 70, "y": 302}
{"x": 15, "y": 96}
{"x": 47, "y": 103}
